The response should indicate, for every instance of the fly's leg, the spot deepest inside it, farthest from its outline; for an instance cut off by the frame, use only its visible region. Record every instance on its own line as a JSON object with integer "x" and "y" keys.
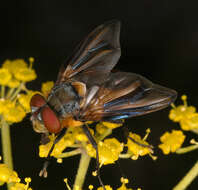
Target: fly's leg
{"x": 43, "y": 172}
{"x": 126, "y": 134}
{"x": 95, "y": 146}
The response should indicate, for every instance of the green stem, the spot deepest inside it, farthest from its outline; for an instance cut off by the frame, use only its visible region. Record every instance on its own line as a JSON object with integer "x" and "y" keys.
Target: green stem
{"x": 17, "y": 91}
{"x": 10, "y": 92}
{"x": 127, "y": 155}
{"x": 68, "y": 154}
{"x": 82, "y": 171}
{"x": 186, "y": 149}
{"x": 195, "y": 131}
{"x": 2, "y": 91}
{"x": 188, "y": 178}
{"x": 6, "y": 145}
{"x": 105, "y": 134}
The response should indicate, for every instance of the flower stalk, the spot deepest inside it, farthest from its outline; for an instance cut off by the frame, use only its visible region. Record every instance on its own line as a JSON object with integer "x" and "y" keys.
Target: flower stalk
{"x": 2, "y": 91}
{"x": 188, "y": 178}
{"x": 187, "y": 149}
{"x": 82, "y": 171}
{"x": 6, "y": 146}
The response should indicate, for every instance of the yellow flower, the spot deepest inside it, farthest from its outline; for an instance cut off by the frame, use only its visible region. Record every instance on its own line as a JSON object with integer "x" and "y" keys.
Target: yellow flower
{"x": 79, "y": 135}
{"x": 138, "y": 148}
{"x": 2, "y": 105}
{"x": 13, "y": 113}
{"x": 25, "y": 74}
{"x": 107, "y": 187}
{"x": 112, "y": 125}
{"x": 21, "y": 186}
{"x": 15, "y": 65}
{"x": 44, "y": 149}
{"x": 171, "y": 141}
{"x": 5, "y": 76}
{"x": 5, "y": 104}
{"x": 7, "y": 175}
{"x": 24, "y": 99}
{"x": 46, "y": 87}
{"x": 181, "y": 112}
{"x": 123, "y": 186}
{"x": 62, "y": 145}
{"x": 66, "y": 183}
{"x": 101, "y": 129}
{"x": 65, "y": 142}
{"x": 31, "y": 60}
{"x": 13, "y": 83}
{"x": 190, "y": 123}
{"x": 185, "y": 115}
{"x": 109, "y": 151}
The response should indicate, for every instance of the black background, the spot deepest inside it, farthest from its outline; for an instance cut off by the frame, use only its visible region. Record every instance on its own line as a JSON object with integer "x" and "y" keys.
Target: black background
{"x": 159, "y": 40}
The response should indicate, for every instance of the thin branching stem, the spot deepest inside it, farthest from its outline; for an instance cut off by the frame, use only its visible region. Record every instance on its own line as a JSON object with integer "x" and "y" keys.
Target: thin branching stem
{"x": 187, "y": 149}
{"x": 14, "y": 95}
{"x": 188, "y": 178}
{"x": 69, "y": 154}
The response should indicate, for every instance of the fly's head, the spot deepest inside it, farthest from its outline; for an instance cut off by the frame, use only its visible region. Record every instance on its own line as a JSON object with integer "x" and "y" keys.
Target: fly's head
{"x": 44, "y": 119}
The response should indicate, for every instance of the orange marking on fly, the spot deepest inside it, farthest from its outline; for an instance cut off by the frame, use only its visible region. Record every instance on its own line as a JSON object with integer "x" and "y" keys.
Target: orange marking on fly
{"x": 71, "y": 122}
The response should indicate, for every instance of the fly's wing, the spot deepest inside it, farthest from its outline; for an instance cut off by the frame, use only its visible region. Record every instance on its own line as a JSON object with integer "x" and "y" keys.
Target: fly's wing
{"x": 125, "y": 95}
{"x": 94, "y": 57}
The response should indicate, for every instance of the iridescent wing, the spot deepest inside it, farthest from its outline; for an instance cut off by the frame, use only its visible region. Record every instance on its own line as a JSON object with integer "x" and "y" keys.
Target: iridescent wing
{"x": 125, "y": 95}
{"x": 94, "y": 57}
{"x": 110, "y": 96}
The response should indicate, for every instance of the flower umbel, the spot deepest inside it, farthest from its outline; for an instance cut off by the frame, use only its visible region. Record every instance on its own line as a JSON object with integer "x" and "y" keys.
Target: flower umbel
{"x": 14, "y": 105}
{"x": 15, "y": 100}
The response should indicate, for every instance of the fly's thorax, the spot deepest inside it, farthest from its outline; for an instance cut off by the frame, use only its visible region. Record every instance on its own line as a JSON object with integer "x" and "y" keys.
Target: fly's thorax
{"x": 64, "y": 99}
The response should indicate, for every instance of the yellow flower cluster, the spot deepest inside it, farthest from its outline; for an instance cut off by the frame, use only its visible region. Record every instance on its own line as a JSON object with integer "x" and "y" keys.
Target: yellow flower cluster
{"x": 15, "y": 97}
{"x": 185, "y": 115}
{"x": 11, "y": 177}
{"x": 109, "y": 149}
{"x": 171, "y": 141}
{"x": 16, "y": 71}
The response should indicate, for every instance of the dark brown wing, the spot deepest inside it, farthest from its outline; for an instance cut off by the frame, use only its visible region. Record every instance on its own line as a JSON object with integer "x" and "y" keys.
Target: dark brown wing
{"x": 125, "y": 95}
{"x": 95, "y": 56}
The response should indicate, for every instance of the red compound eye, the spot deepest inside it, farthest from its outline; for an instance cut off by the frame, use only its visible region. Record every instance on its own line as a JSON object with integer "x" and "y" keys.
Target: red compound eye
{"x": 37, "y": 101}
{"x": 50, "y": 120}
